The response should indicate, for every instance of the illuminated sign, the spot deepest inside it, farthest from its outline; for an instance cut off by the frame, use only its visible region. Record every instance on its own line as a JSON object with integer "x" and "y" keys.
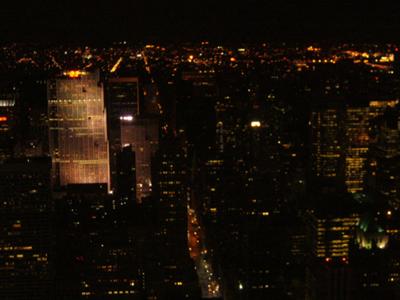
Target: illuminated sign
{"x": 74, "y": 73}
{"x": 126, "y": 118}
{"x": 3, "y": 119}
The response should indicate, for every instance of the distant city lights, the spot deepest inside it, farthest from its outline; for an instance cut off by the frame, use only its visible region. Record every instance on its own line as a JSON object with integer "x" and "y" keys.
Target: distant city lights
{"x": 255, "y": 124}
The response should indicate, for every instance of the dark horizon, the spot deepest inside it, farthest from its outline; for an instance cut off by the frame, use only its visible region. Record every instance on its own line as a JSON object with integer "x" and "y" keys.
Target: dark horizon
{"x": 48, "y": 21}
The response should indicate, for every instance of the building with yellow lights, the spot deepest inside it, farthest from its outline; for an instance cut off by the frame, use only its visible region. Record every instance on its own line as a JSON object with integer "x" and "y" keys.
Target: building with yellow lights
{"x": 331, "y": 228}
{"x": 25, "y": 236}
{"x": 340, "y": 141}
{"x": 77, "y": 129}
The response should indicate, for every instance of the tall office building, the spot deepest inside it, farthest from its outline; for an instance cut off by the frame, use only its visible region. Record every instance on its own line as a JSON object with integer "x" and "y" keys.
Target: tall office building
{"x": 384, "y": 160}
{"x": 341, "y": 139}
{"x": 125, "y": 185}
{"x": 99, "y": 247}
{"x": 331, "y": 226}
{"x": 357, "y": 146}
{"x": 25, "y": 235}
{"x": 326, "y": 142}
{"x": 143, "y": 135}
{"x": 78, "y": 135}
{"x": 122, "y": 98}
{"x": 33, "y": 129}
{"x": 175, "y": 276}
{"x": 358, "y": 140}
{"x": 197, "y": 94}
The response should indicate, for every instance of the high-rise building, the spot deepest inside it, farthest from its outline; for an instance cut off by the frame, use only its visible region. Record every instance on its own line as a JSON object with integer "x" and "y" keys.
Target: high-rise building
{"x": 341, "y": 139}
{"x": 175, "y": 275}
{"x": 197, "y": 94}
{"x": 384, "y": 160}
{"x": 98, "y": 246}
{"x": 327, "y": 155}
{"x": 357, "y": 146}
{"x": 32, "y": 121}
{"x": 143, "y": 135}
{"x": 126, "y": 176}
{"x": 78, "y": 134}
{"x": 330, "y": 234}
{"x": 122, "y": 98}
{"x": 25, "y": 235}
{"x": 358, "y": 140}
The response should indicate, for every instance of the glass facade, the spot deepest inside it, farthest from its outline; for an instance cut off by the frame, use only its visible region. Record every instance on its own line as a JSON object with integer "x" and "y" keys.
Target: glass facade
{"x": 78, "y": 135}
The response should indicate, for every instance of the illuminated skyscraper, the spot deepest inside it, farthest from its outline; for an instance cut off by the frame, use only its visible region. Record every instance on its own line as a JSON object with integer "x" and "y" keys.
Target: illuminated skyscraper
{"x": 78, "y": 135}
{"x": 341, "y": 141}
{"x": 357, "y": 136}
{"x": 358, "y": 140}
{"x": 326, "y": 142}
{"x": 330, "y": 233}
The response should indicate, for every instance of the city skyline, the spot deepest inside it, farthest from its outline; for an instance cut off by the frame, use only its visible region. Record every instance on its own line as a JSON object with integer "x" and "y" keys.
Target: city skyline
{"x": 199, "y": 151}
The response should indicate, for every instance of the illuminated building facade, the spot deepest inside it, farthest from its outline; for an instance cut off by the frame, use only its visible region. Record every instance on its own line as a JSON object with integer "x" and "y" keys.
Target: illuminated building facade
{"x": 122, "y": 98}
{"x": 357, "y": 146}
{"x": 331, "y": 227}
{"x": 332, "y": 236}
{"x": 25, "y": 235}
{"x": 341, "y": 140}
{"x": 8, "y": 105}
{"x": 327, "y": 142}
{"x": 77, "y": 124}
{"x": 358, "y": 129}
{"x": 332, "y": 223}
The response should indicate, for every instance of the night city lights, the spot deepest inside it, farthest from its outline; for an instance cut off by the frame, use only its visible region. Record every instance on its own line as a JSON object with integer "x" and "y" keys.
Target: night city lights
{"x": 169, "y": 150}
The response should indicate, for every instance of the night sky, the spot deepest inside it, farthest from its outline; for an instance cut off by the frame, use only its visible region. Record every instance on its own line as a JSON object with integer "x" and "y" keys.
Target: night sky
{"x": 56, "y": 21}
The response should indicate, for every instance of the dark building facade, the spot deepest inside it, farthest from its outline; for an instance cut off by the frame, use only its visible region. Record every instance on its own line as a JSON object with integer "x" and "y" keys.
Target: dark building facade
{"x": 26, "y": 236}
